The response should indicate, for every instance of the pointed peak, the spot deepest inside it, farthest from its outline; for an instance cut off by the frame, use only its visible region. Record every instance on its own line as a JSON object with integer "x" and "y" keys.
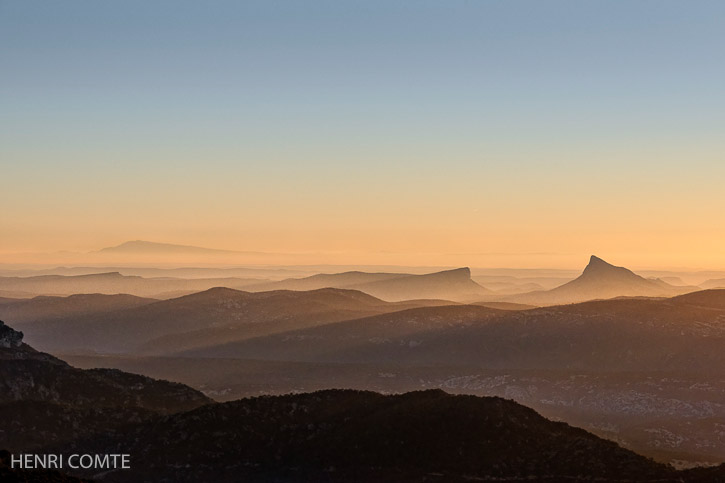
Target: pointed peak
{"x": 596, "y": 261}
{"x": 599, "y": 267}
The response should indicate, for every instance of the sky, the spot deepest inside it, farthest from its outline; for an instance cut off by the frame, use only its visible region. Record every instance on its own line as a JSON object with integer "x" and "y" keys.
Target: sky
{"x": 483, "y": 133}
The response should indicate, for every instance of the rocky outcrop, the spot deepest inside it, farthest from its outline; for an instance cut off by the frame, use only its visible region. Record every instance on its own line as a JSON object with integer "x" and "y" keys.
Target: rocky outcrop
{"x": 43, "y": 399}
{"x": 9, "y": 338}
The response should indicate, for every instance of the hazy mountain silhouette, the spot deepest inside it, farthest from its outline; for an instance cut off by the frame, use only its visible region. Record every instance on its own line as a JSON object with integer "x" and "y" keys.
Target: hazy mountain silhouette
{"x": 115, "y": 283}
{"x": 48, "y": 308}
{"x": 505, "y": 288}
{"x": 154, "y": 253}
{"x": 601, "y": 280}
{"x": 506, "y": 305}
{"x": 714, "y": 298}
{"x": 206, "y": 318}
{"x": 714, "y": 283}
{"x": 450, "y": 284}
{"x": 455, "y": 285}
{"x": 146, "y": 247}
{"x": 676, "y": 281}
{"x": 327, "y": 280}
{"x": 271, "y": 273}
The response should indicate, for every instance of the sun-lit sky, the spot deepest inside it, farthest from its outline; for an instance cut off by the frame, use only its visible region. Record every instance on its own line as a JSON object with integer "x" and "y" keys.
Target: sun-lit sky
{"x": 485, "y": 133}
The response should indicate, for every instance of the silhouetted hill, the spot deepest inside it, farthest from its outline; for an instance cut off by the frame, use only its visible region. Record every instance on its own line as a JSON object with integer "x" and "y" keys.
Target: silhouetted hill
{"x": 601, "y": 280}
{"x": 47, "y": 307}
{"x": 74, "y": 402}
{"x": 141, "y": 246}
{"x": 187, "y": 272}
{"x": 114, "y": 283}
{"x": 714, "y": 283}
{"x": 450, "y": 284}
{"x": 676, "y": 281}
{"x": 206, "y": 318}
{"x": 455, "y": 285}
{"x": 519, "y": 282}
{"x": 348, "y": 435}
{"x": 506, "y": 305}
{"x": 714, "y": 298}
{"x": 327, "y": 280}
{"x": 608, "y": 335}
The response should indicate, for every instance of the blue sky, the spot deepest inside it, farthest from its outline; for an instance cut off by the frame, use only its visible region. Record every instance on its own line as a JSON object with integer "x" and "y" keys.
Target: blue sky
{"x": 481, "y": 104}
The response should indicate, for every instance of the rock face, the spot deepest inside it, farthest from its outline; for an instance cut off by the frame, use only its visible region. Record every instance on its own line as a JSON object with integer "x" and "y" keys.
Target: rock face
{"x": 8, "y": 337}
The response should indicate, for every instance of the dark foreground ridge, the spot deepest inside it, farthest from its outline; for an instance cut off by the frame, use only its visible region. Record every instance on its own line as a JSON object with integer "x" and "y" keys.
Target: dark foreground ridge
{"x": 172, "y": 433}
{"x": 346, "y": 435}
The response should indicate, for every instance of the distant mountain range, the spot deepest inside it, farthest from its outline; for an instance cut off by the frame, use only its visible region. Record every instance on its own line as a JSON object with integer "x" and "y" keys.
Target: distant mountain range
{"x": 599, "y": 280}
{"x": 142, "y": 253}
{"x": 113, "y": 283}
{"x": 454, "y": 285}
{"x": 341, "y": 325}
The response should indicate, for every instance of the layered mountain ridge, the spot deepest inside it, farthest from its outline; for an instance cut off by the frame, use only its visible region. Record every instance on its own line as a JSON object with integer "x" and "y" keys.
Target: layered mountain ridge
{"x": 195, "y": 320}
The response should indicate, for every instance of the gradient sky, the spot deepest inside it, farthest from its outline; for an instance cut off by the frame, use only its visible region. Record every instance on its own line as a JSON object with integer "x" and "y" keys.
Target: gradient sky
{"x": 484, "y": 133}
